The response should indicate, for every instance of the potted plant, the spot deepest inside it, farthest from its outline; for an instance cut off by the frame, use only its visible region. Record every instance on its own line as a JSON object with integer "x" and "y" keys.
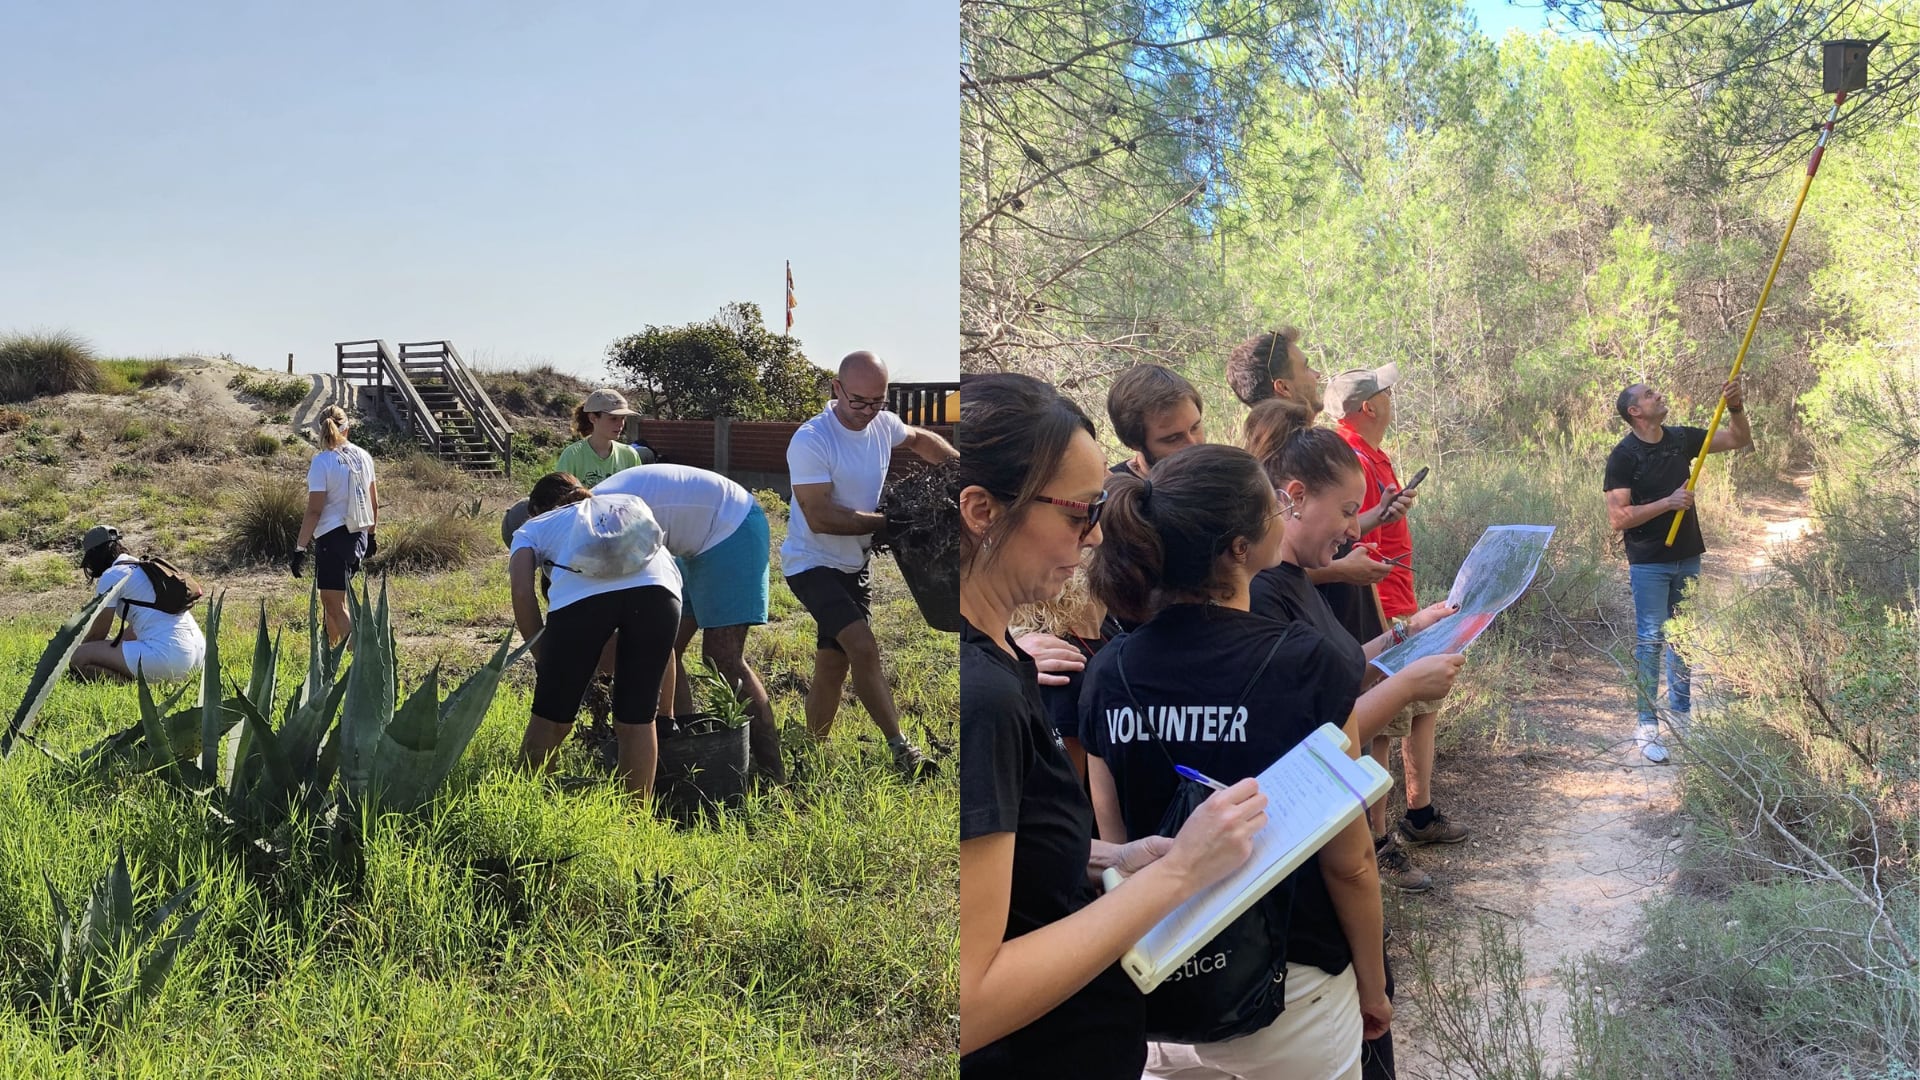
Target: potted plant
{"x": 703, "y": 758}
{"x": 923, "y": 532}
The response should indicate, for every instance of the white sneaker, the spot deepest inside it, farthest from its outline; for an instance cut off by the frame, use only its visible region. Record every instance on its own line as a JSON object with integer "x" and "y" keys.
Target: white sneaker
{"x": 1650, "y": 745}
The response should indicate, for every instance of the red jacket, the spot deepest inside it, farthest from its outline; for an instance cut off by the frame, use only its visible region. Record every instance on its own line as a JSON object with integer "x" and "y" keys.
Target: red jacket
{"x": 1392, "y": 541}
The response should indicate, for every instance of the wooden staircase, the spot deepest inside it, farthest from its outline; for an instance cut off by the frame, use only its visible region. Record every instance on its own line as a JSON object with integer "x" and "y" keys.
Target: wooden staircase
{"x": 428, "y": 391}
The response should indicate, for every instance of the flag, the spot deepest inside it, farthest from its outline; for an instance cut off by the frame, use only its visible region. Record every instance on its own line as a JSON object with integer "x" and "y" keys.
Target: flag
{"x": 791, "y": 302}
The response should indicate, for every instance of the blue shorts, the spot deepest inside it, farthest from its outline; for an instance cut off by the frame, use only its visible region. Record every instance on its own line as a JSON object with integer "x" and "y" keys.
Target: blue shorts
{"x": 726, "y": 585}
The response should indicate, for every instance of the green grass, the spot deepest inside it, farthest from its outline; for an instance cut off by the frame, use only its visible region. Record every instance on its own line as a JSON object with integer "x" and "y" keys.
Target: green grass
{"x": 280, "y": 391}
{"x": 516, "y": 929}
{"x": 133, "y": 376}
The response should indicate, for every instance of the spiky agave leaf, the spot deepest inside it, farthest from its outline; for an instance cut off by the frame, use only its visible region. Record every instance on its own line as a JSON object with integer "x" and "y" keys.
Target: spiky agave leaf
{"x": 403, "y": 757}
{"x": 211, "y": 703}
{"x": 466, "y": 708}
{"x": 266, "y": 664}
{"x": 369, "y": 704}
{"x": 159, "y": 963}
{"x": 53, "y": 664}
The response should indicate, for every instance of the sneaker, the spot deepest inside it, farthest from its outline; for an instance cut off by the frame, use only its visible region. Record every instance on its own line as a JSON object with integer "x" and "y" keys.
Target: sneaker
{"x": 912, "y": 763}
{"x": 1649, "y": 743}
{"x": 1438, "y": 831}
{"x": 1398, "y": 871}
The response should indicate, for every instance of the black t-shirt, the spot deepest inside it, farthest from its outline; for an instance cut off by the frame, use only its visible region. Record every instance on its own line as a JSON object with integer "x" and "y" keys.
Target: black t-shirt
{"x": 1124, "y": 468}
{"x": 1315, "y": 935}
{"x": 1651, "y": 472}
{"x": 1353, "y": 606}
{"x": 1285, "y": 595}
{"x": 1014, "y": 777}
{"x": 1063, "y": 702}
{"x": 1192, "y": 670}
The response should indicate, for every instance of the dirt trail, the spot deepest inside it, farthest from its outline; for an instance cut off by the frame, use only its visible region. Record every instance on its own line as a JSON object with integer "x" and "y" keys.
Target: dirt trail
{"x": 1571, "y": 838}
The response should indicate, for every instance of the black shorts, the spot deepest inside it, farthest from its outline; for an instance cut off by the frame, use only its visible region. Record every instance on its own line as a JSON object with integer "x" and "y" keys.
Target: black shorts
{"x": 336, "y": 557}
{"x": 835, "y": 598}
{"x": 646, "y": 617}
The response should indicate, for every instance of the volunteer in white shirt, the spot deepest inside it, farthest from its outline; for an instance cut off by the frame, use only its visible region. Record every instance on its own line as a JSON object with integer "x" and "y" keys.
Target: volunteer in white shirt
{"x": 166, "y": 648}
{"x": 837, "y": 463}
{"x": 583, "y": 611}
{"x": 343, "y": 508}
{"x": 718, "y": 535}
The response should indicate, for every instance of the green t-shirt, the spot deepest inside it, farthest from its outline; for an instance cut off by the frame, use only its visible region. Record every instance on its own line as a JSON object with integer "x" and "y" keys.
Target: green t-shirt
{"x": 590, "y": 468}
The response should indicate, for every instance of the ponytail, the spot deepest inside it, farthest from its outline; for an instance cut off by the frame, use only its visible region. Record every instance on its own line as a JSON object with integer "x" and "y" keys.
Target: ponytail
{"x": 333, "y": 427}
{"x": 1164, "y": 535}
{"x": 555, "y": 490}
{"x": 582, "y": 421}
{"x": 1281, "y": 435}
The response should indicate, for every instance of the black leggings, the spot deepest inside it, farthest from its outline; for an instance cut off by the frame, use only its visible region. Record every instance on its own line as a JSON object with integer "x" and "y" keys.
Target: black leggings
{"x": 647, "y": 619}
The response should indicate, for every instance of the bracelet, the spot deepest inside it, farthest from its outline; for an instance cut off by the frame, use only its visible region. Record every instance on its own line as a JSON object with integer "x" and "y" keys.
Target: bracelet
{"x": 1399, "y": 630}
{"x": 1736, "y": 409}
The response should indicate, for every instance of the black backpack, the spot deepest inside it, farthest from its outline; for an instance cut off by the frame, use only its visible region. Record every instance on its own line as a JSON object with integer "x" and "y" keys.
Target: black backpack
{"x": 174, "y": 591}
{"x": 1235, "y": 984}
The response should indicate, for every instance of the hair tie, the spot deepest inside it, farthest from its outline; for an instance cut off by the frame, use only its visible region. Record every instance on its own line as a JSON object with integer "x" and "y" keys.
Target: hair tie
{"x": 1146, "y": 489}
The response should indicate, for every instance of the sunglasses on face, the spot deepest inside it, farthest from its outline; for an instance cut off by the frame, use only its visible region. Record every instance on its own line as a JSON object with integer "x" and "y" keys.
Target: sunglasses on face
{"x": 1090, "y": 509}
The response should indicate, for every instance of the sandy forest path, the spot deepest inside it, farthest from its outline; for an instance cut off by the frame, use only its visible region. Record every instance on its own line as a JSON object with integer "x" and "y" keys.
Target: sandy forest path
{"x": 1574, "y": 832}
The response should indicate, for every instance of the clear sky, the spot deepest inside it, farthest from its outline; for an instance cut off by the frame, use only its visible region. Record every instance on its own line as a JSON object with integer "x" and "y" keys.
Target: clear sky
{"x": 1496, "y": 17}
{"x": 529, "y": 181}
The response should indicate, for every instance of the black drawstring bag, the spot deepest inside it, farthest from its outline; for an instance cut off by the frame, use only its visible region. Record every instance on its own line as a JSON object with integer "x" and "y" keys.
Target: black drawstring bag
{"x": 1235, "y": 984}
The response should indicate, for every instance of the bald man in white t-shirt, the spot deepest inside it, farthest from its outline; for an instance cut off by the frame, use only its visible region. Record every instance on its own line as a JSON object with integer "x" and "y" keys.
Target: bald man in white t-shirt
{"x": 837, "y": 463}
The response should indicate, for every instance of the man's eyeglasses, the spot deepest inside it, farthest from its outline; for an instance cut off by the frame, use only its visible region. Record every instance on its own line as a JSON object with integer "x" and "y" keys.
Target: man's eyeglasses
{"x": 858, "y": 403}
{"x": 1090, "y": 509}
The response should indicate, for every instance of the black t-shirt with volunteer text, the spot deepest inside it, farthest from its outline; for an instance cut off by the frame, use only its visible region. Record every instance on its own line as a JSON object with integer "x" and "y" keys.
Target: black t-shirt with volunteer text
{"x": 1651, "y": 472}
{"x": 1192, "y": 672}
{"x": 1353, "y": 606}
{"x": 1015, "y": 777}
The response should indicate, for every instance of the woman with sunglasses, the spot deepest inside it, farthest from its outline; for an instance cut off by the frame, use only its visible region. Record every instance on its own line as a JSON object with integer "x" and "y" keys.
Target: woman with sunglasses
{"x": 1041, "y": 991}
{"x": 1230, "y": 693}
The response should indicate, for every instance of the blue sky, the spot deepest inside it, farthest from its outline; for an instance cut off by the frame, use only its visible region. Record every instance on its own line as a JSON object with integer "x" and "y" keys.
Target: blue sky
{"x": 1496, "y": 17}
{"x": 528, "y": 181}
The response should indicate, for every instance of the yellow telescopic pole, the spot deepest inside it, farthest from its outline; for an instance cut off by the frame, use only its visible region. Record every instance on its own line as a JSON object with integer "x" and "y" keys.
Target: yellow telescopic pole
{"x": 1753, "y": 325}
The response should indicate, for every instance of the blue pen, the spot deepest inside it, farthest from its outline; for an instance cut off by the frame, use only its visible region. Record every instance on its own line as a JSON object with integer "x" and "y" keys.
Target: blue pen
{"x": 1199, "y": 777}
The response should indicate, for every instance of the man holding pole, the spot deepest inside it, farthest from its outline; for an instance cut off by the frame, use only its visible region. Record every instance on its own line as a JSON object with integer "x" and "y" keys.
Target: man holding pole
{"x": 1646, "y": 485}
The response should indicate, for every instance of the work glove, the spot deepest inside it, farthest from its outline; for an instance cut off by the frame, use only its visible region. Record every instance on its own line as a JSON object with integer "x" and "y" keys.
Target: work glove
{"x": 373, "y": 545}
{"x": 297, "y": 561}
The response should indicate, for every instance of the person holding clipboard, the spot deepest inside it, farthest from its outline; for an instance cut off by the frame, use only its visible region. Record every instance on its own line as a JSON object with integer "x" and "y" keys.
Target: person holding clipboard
{"x": 1041, "y": 991}
{"x": 1204, "y": 684}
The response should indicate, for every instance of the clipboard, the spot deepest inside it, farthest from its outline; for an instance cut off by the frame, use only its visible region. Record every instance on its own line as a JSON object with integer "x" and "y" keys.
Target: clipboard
{"x": 1313, "y": 792}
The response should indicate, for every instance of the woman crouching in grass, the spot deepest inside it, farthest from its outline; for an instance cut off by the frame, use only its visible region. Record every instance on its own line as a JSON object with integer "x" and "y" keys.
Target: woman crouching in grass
{"x": 166, "y": 646}
{"x": 632, "y": 589}
{"x": 1041, "y": 990}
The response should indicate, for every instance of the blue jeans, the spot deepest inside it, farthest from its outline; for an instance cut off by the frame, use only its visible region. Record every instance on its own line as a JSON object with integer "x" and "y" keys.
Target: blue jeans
{"x": 1657, "y": 589}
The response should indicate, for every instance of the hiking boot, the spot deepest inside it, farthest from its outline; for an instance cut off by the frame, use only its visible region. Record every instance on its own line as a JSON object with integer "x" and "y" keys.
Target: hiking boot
{"x": 913, "y": 764}
{"x": 1438, "y": 831}
{"x": 1648, "y": 740}
{"x": 1398, "y": 871}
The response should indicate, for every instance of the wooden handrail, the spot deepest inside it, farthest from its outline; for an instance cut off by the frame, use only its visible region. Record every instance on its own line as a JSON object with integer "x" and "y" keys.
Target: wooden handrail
{"x": 488, "y": 420}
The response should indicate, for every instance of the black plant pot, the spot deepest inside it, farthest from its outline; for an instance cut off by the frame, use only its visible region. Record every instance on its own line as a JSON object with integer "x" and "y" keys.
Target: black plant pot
{"x": 934, "y": 582}
{"x": 702, "y": 770}
{"x": 923, "y": 533}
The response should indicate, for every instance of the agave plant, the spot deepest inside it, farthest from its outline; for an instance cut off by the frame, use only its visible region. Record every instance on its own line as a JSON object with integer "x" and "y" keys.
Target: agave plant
{"x": 726, "y": 708}
{"x": 53, "y": 664}
{"x": 103, "y": 966}
{"x": 338, "y": 735}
